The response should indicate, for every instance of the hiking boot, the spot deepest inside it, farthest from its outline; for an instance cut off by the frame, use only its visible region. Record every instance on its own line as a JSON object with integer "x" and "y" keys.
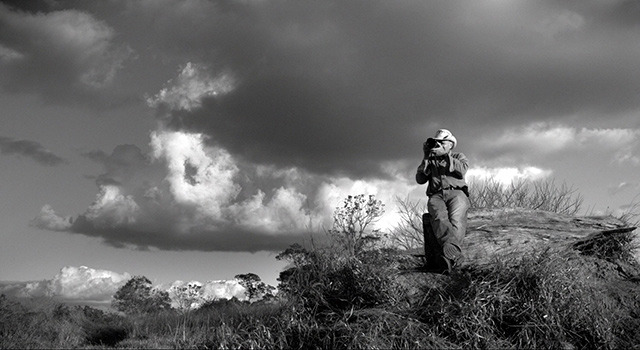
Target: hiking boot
{"x": 451, "y": 251}
{"x": 438, "y": 265}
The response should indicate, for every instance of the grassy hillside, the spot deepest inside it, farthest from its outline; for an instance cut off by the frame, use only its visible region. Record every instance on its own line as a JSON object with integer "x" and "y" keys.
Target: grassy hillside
{"x": 577, "y": 287}
{"x": 547, "y": 298}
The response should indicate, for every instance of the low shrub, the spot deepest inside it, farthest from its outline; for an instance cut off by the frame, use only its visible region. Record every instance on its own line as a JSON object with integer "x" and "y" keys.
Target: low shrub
{"x": 39, "y": 323}
{"x": 323, "y": 281}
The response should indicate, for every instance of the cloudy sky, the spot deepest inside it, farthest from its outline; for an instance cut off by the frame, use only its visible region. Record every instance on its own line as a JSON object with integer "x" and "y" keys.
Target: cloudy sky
{"x": 196, "y": 139}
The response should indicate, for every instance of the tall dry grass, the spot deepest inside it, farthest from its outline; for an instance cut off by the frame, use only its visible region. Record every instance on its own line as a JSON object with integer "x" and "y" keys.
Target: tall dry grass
{"x": 546, "y": 195}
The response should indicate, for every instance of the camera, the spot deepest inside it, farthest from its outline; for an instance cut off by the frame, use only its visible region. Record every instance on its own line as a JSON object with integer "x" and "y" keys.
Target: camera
{"x": 430, "y": 144}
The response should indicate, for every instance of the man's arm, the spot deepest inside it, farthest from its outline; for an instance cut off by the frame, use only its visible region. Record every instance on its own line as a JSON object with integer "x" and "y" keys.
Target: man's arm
{"x": 458, "y": 165}
{"x": 422, "y": 176}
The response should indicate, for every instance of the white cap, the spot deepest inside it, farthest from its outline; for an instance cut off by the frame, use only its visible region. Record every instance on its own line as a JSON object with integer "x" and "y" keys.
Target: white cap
{"x": 445, "y": 135}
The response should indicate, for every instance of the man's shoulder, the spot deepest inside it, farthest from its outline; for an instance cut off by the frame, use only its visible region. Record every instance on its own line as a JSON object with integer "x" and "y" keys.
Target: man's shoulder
{"x": 458, "y": 155}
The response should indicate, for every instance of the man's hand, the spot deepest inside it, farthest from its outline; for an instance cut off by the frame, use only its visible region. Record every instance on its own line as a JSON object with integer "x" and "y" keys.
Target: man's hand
{"x": 441, "y": 161}
{"x": 438, "y": 151}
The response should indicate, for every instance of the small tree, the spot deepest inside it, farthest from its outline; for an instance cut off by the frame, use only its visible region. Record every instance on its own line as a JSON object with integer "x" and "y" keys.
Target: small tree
{"x": 407, "y": 234}
{"x": 187, "y": 296}
{"x": 256, "y": 289}
{"x": 352, "y": 219}
{"x": 137, "y": 296}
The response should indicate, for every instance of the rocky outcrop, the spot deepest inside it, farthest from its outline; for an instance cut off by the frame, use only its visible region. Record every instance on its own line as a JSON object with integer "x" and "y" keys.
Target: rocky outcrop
{"x": 501, "y": 236}
{"x": 495, "y": 234}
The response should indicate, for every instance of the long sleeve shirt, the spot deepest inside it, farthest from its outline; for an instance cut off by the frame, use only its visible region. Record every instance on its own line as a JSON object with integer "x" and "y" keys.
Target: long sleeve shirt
{"x": 445, "y": 172}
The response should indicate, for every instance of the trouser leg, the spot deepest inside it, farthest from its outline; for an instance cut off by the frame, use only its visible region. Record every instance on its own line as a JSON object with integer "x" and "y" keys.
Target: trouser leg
{"x": 448, "y": 213}
{"x": 458, "y": 205}
{"x": 439, "y": 214}
{"x": 432, "y": 249}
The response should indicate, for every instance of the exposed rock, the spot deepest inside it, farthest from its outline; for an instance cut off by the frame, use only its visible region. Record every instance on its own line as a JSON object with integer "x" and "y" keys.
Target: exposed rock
{"x": 499, "y": 235}
{"x": 493, "y": 234}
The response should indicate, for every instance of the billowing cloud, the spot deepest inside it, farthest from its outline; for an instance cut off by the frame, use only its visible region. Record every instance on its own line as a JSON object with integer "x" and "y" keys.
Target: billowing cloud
{"x": 49, "y": 220}
{"x": 188, "y": 194}
{"x": 58, "y": 54}
{"x": 537, "y": 140}
{"x": 29, "y": 149}
{"x": 192, "y": 84}
{"x": 87, "y": 283}
{"x": 198, "y": 176}
{"x": 112, "y": 209}
{"x": 73, "y": 284}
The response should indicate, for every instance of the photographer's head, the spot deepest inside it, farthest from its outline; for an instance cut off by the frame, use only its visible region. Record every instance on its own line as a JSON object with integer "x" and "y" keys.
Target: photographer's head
{"x": 441, "y": 143}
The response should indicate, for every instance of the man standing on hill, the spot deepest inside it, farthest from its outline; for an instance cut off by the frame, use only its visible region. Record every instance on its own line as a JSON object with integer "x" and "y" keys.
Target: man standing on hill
{"x": 448, "y": 202}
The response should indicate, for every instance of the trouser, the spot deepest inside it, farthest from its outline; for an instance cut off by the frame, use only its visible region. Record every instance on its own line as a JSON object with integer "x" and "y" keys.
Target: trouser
{"x": 446, "y": 224}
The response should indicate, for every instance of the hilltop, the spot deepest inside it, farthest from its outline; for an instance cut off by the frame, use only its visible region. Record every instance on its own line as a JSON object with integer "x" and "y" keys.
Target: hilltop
{"x": 505, "y": 234}
{"x": 603, "y": 246}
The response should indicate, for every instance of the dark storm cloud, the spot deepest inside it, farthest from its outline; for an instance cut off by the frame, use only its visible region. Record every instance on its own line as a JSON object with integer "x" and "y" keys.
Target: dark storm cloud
{"x": 33, "y": 6}
{"x": 338, "y": 87}
{"x": 161, "y": 234}
{"x": 232, "y": 240}
{"x": 29, "y": 149}
{"x": 64, "y": 56}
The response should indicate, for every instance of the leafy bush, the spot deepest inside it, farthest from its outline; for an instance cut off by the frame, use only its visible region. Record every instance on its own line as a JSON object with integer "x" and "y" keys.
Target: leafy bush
{"x": 352, "y": 221}
{"x": 137, "y": 296}
{"x": 323, "y": 281}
